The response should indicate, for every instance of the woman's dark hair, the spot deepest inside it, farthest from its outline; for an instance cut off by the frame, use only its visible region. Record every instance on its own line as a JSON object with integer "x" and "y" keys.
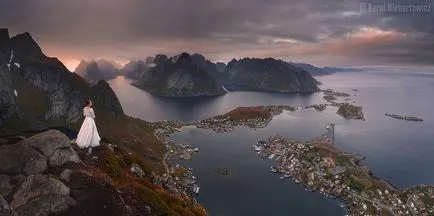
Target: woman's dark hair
{"x": 86, "y": 103}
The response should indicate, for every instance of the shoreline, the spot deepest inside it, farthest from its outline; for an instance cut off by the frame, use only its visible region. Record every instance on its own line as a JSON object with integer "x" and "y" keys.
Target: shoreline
{"x": 348, "y": 183}
{"x": 226, "y": 123}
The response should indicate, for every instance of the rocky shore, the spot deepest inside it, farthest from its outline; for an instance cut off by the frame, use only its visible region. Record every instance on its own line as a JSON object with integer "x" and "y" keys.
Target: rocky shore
{"x": 406, "y": 118}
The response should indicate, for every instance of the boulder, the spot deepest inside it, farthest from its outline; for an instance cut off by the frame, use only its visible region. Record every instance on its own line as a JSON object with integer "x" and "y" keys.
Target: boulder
{"x": 36, "y": 187}
{"x": 62, "y": 156}
{"x": 18, "y": 159}
{"x": 54, "y": 145}
{"x": 48, "y": 142}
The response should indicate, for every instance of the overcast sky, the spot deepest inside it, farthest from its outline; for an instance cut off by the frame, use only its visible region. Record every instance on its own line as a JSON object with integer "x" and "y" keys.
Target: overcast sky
{"x": 321, "y": 32}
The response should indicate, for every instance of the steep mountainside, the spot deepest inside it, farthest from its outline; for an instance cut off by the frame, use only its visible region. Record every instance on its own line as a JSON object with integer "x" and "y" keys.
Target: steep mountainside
{"x": 93, "y": 71}
{"x": 7, "y": 97}
{"x": 44, "y": 91}
{"x": 109, "y": 66}
{"x": 46, "y": 174}
{"x": 216, "y": 70}
{"x": 268, "y": 75}
{"x": 39, "y": 93}
{"x": 179, "y": 76}
{"x": 255, "y": 74}
{"x": 135, "y": 69}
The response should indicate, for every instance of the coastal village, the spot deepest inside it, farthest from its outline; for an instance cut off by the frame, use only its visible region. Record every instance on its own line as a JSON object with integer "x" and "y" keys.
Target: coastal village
{"x": 178, "y": 179}
{"x": 316, "y": 164}
{"x": 320, "y": 166}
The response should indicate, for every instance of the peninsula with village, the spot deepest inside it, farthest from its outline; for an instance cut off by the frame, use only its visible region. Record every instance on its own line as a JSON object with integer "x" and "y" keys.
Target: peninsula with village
{"x": 316, "y": 164}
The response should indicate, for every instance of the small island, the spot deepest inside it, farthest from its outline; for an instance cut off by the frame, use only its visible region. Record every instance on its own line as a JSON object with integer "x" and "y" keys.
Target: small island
{"x": 349, "y": 111}
{"x": 317, "y": 164}
{"x": 223, "y": 171}
{"x": 406, "y": 118}
{"x": 331, "y": 96}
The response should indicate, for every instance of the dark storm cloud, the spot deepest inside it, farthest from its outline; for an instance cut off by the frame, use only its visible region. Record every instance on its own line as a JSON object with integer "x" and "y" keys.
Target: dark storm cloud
{"x": 221, "y": 29}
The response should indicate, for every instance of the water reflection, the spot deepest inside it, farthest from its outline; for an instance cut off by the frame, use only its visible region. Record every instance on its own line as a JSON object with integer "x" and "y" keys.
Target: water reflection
{"x": 141, "y": 104}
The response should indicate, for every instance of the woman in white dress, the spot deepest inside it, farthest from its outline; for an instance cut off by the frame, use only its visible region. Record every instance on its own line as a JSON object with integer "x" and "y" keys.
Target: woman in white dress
{"x": 88, "y": 136}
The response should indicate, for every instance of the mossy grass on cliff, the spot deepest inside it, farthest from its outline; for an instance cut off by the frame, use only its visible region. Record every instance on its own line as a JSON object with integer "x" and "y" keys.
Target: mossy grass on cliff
{"x": 131, "y": 194}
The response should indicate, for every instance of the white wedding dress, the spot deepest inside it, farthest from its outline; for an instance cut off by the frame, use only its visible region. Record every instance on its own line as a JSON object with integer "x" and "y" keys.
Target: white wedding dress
{"x": 88, "y": 135}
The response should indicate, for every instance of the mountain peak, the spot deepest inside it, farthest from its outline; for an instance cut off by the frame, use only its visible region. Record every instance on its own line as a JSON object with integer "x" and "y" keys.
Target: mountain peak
{"x": 199, "y": 57}
{"x": 179, "y": 76}
{"x": 184, "y": 57}
{"x": 160, "y": 58}
{"x": 24, "y": 45}
{"x": 81, "y": 66}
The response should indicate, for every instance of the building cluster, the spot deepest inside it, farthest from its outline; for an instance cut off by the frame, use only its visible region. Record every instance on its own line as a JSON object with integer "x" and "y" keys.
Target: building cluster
{"x": 278, "y": 109}
{"x": 306, "y": 164}
{"x": 177, "y": 179}
{"x": 317, "y": 171}
{"x": 219, "y": 125}
{"x": 226, "y": 124}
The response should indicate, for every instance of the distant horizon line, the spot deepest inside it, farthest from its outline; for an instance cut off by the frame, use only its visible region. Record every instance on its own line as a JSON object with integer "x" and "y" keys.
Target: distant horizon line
{"x": 123, "y": 63}
{"x": 72, "y": 63}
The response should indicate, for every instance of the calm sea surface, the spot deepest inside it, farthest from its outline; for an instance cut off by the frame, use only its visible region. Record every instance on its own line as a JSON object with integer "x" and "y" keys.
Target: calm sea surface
{"x": 397, "y": 150}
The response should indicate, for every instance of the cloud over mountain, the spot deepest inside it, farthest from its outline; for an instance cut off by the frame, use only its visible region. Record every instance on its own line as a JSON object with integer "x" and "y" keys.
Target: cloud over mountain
{"x": 335, "y": 32}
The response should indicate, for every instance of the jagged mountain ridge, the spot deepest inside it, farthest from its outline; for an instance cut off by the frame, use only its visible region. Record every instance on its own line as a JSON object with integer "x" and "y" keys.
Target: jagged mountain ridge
{"x": 179, "y": 76}
{"x": 255, "y": 74}
{"x": 95, "y": 70}
{"x": 268, "y": 75}
{"x": 216, "y": 70}
{"x": 135, "y": 69}
{"x": 43, "y": 89}
{"x": 48, "y": 95}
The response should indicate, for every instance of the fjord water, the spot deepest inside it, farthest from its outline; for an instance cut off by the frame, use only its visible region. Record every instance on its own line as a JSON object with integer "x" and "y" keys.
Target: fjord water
{"x": 397, "y": 150}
